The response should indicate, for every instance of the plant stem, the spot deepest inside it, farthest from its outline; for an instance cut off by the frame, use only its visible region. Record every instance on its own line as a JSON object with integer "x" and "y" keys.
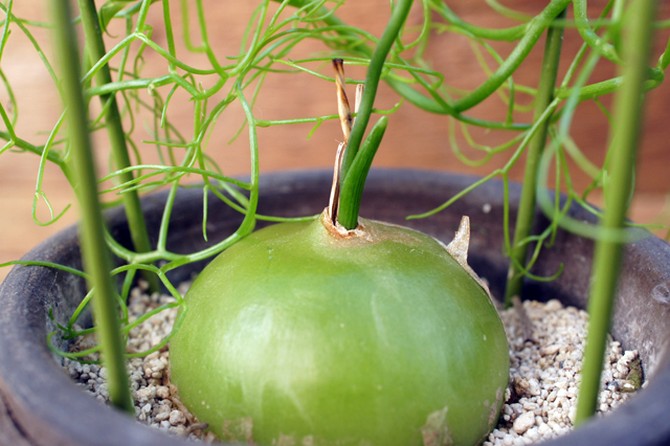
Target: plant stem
{"x": 623, "y": 147}
{"x": 554, "y": 10}
{"x": 350, "y": 202}
{"x": 527, "y": 202}
{"x": 434, "y": 103}
{"x": 351, "y": 191}
{"x": 96, "y": 257}
{"x": 397, "y": 20}
{"x": 117, "y": 137}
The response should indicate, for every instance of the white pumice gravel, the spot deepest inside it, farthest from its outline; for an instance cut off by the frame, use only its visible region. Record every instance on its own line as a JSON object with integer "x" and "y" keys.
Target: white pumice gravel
{"x": 544, "y": 374}
{"x": 540, "y": 400}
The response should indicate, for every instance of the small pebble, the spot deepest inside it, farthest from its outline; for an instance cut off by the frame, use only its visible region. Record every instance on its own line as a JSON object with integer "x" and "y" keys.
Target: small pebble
{"x": 544, "y": 430}
{"x": 177, "y": 417}
{"x": 524, "y": 422}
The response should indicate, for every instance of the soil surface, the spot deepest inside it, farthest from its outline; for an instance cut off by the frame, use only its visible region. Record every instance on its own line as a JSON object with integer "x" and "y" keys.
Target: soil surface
{"x": 540, "y": 400}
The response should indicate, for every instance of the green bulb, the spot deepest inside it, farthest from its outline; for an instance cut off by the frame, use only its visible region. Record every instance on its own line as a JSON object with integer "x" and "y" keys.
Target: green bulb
{"x": 299, "y": 334}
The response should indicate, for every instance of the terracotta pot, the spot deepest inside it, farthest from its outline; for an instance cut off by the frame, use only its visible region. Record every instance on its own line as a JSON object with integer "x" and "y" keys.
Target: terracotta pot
{"x": 40, "y": 405}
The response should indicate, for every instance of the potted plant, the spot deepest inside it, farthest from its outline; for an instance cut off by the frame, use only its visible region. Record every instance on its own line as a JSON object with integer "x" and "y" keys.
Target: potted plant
{"x": 160, "y": 243}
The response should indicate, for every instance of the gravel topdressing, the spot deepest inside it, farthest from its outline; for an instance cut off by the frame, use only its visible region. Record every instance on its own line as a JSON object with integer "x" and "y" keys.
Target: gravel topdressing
{"x": 540, "y": 400}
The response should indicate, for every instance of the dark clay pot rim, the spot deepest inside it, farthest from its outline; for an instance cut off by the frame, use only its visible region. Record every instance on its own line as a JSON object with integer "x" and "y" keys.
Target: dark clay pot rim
{"x": 50, "y": 409}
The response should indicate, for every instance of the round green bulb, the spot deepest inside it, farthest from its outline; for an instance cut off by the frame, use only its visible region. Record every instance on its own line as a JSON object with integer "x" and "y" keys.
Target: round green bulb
{"x": 303, "y": 335}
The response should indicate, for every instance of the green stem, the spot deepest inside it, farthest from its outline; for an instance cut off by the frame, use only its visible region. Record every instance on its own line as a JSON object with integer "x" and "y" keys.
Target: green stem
{"x": 391, "y": 32}
{"x": 433, "y": 102}
{"x": 608, "y": 254}
{"x": 23, "y": 144}
{"x": 504, "y": 34}
{"x": 534, "y": 31}
{"x": 527, "y": 201}
{"x": 352, "y": 186}
{"x": 589, "y": 35}
{"x": 351, "y": 195}
{"x": 94, "y": 249}
{"x": 116, "y": 134}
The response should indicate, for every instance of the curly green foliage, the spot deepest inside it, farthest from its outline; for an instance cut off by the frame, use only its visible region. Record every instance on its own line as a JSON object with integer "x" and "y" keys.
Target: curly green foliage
{"x": 150, "y": 97}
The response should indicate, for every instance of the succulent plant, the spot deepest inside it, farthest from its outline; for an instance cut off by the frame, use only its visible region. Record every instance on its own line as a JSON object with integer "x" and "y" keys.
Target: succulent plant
{"x": 307, "y": 332}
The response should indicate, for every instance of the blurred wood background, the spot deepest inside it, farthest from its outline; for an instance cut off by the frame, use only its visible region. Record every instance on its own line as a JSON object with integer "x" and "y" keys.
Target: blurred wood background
{"x": 415, "y": 139}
